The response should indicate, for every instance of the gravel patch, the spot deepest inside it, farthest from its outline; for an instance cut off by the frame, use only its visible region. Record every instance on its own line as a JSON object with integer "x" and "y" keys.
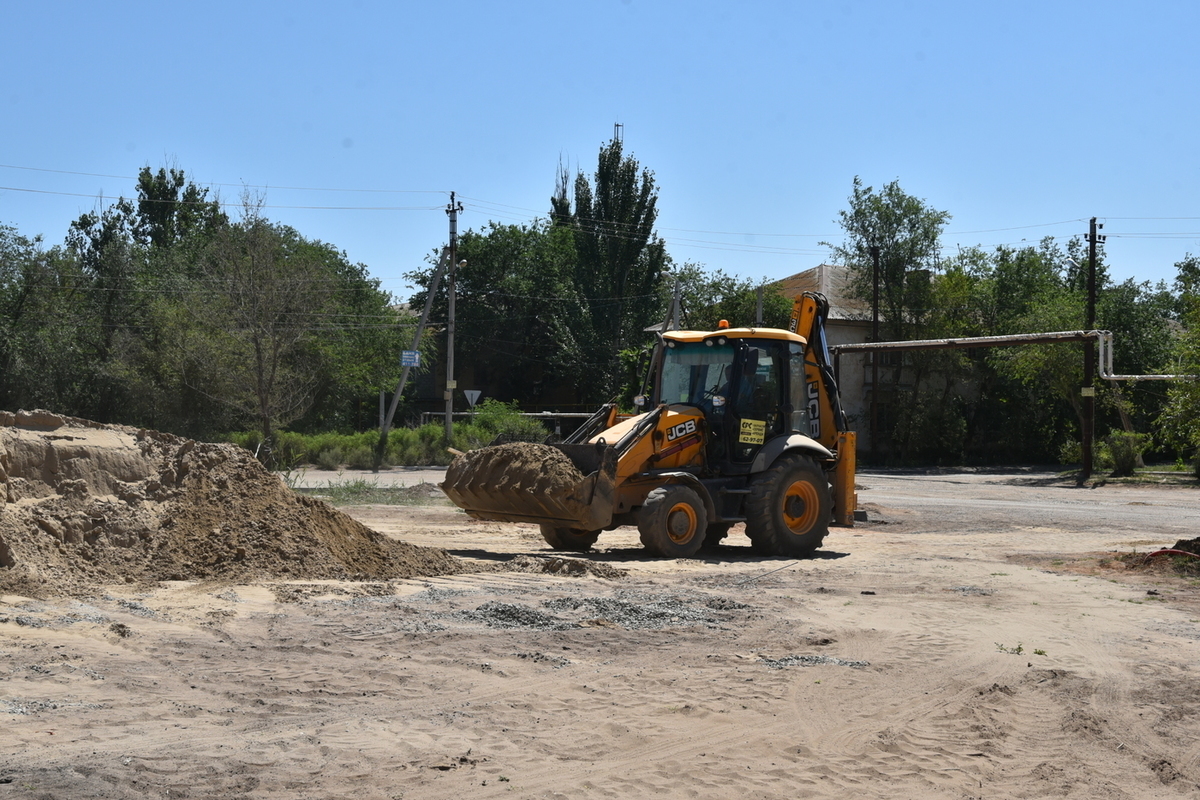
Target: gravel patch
{"x": 558, "y": 662}
{"x": 510, "y": 615}
{"x": 19, "y": 706}
{"x": 810, "y": 661}
{"x": 640, "y": 611}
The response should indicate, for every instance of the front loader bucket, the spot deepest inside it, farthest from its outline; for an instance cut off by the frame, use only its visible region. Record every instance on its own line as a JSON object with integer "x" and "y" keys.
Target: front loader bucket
{"x": 564, "y": 485}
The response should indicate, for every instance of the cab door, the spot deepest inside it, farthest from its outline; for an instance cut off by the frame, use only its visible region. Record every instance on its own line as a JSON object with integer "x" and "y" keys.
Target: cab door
{"x": 757, "y": 398}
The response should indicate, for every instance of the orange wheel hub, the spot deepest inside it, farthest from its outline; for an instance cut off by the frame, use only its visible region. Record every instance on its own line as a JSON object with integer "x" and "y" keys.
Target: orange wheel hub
{"x": 681, "y": 523}
{"x": 800, "y": 507}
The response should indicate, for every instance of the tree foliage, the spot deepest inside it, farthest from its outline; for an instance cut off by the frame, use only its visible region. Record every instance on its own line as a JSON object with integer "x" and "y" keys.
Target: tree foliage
{"x": 162, "y": 312}
{"x": 521, "y": 322}
{"x": 1180, "y": 417}
{"x": 544, "y": 310}
{"x": 906, "y": 231}
{"x": 619, "y": 262}
{"x": 711, "y": 296}
{"x": 1001, "y": 404}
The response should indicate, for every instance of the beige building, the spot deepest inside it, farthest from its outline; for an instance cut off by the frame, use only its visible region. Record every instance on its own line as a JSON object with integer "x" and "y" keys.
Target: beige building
{"x": 849, "y": 323}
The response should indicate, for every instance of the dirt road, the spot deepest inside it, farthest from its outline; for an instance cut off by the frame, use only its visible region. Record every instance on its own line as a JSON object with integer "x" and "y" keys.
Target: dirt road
{"x": 975, "y": 639}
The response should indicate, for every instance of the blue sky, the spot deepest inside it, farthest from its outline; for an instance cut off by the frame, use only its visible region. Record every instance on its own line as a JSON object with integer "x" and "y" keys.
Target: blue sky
{"x": 1021, "y": 119}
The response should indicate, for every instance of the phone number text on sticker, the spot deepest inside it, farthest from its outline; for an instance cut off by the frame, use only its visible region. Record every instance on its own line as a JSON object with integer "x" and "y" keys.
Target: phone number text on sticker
{"x": 752, "y": 431}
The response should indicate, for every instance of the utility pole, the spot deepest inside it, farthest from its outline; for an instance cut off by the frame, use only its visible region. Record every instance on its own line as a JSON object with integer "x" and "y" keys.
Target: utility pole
{"x": 676, "y": 307}
{"x": 1089, "y": 357}
{"x": 453, "y": 210}
{"x": 874, "y": 356}
{"x": 385, "y": 422}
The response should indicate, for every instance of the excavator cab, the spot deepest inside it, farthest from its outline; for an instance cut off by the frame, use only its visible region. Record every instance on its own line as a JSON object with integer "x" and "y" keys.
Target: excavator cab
{"x": 743, "y": 380}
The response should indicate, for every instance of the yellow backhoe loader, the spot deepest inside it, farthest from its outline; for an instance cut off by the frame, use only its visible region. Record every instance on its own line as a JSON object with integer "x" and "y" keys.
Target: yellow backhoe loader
{"x": 746, "y": 426}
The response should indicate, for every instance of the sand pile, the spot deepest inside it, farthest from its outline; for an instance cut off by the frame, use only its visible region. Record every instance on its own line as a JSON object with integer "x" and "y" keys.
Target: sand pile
{"x": 540, "y": 466}
{"x": 519, "y": 481}
{"x": 84, "y": 504}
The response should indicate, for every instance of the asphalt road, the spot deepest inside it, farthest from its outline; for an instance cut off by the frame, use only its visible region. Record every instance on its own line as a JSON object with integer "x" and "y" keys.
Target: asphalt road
{"x": 1026, "y": 506}
{"x": 1031, "y": 508}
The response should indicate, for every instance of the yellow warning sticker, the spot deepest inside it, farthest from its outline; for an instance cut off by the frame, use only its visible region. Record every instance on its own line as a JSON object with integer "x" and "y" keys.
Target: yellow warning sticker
{"x": 753, "y": 431}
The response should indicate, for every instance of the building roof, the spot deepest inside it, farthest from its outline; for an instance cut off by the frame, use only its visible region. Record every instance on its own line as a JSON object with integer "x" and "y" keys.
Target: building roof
{"x": 833, "y": 281}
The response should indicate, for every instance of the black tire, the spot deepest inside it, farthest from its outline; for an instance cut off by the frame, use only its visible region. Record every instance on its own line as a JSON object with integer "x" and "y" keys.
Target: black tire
{"x": 574, "y": 539}
{"x": 788, "y": 508}
{"x": 672, "y": 522}
{"x": 715, "y": 533}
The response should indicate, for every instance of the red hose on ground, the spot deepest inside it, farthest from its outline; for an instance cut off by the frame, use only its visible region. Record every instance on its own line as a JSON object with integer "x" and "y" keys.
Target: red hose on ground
{"x": 1169, "y": 552}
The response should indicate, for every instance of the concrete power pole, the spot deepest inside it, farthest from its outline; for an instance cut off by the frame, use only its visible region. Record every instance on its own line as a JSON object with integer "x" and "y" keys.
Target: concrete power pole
{"x": 385, "y": 422}
{"x": 453, "y": 210}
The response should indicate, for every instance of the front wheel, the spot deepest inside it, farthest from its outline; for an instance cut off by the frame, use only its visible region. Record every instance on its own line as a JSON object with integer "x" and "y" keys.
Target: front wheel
{"x": 673, "y": 522}
{"x": 788, "y": 508}
{"x": 575, "y": 539}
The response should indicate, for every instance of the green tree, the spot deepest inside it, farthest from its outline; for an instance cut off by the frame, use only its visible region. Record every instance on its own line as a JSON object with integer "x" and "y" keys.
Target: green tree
{"x": 134, "y": 256}
{"x": 360, "y": 335}
{"x": 520, "y": 322}
{"x": 171, "y": 209}
{"x": 620, "y": 260}
{"x": 711, "y": 296}
{"x": 45, "y": 319}
{"x": 1180, "y": 418}
{"x": 256, "y": 343}
{"x": 906, "y": 231}
{"x": 545, "y": 310}
{"x": 983, "y": 293}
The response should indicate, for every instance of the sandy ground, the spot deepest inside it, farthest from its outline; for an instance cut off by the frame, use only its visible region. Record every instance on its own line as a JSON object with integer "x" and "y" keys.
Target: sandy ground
{"x": 973, "y": 640}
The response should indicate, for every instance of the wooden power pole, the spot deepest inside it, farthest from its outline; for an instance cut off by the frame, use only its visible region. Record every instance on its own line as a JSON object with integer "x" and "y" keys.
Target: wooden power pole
{"x": 1089, "y": 358}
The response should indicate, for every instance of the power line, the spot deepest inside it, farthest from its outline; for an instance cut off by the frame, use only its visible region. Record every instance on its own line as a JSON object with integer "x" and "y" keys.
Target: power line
{"x": 224, "y": 204}
{"x": 232, "y": 185}
{"x": 606, "y": 228}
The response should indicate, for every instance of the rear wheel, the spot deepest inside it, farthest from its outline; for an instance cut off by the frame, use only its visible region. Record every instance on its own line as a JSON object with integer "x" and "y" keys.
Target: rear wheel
{"x": 787, "y": 510}
{"x": 575, "y": 539}
{"x": 673, "y": 522}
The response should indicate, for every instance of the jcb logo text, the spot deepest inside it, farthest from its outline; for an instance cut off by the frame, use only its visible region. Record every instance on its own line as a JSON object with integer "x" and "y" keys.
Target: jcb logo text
{"x": 682, "y": 429}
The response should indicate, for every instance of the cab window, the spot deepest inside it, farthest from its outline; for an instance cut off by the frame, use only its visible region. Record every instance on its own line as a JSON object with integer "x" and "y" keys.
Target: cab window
{"x": 697, "y": 374}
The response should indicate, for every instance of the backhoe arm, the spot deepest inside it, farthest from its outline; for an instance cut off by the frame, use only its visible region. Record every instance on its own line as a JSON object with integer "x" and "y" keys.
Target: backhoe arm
{"x": 831, "y": 428}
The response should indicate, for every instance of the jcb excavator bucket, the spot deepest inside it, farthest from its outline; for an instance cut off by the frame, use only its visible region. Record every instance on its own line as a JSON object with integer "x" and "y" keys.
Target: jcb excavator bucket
{"x": 564, "y": 485}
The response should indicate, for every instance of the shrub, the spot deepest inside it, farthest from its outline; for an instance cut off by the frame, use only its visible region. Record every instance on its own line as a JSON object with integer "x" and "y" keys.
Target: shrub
{"x": 1125, "y": 450}
{"x": 497, "y": 418}
{"x": 330, "y": 458}
{"x": 1071, "y": 452}
{"x": 361, "y": 457}
{"x": 290, "y": 449}
{"x": 423, "y": 446}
